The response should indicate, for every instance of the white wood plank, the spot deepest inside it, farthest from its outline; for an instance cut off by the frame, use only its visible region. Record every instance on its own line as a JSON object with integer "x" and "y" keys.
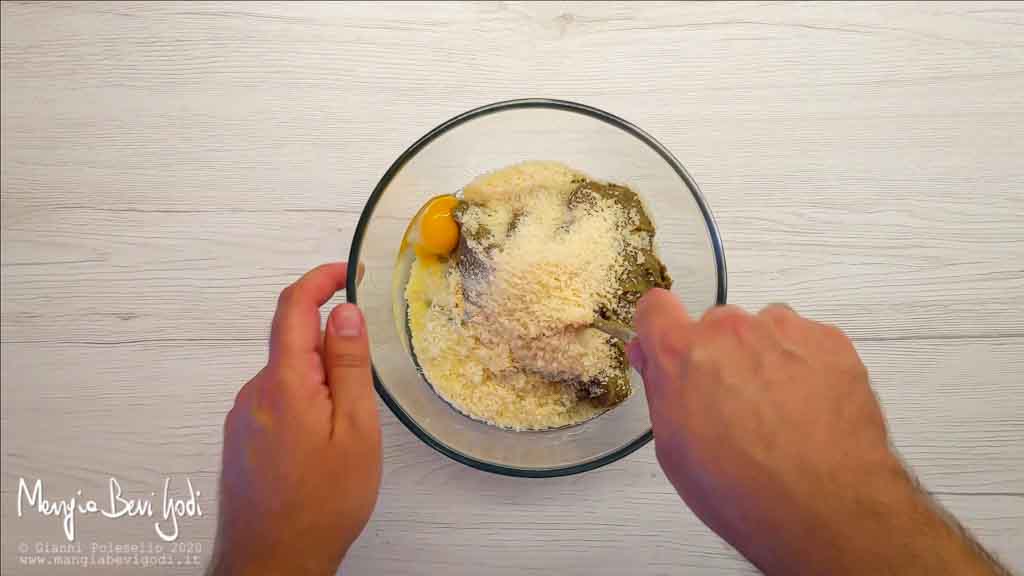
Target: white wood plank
{"x": 799, "y": 121}
{"x": 116, "y": 276}
{"x": 167, "y": 167}
{"x": 954, "y": 423}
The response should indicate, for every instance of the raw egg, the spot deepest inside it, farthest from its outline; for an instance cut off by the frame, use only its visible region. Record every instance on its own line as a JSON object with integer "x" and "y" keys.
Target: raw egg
{"x": 434, "y": 232}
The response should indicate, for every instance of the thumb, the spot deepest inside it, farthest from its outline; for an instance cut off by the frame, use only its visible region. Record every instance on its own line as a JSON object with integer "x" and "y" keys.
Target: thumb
{"x": 347, "y": 364}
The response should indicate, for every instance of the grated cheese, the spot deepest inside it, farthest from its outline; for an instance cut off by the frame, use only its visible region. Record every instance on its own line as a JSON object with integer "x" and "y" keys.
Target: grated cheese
{"x": 504, "y": 354}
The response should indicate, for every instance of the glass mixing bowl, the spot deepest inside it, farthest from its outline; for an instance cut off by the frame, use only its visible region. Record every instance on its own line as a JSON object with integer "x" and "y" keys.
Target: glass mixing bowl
{"x": 441, "y": 162}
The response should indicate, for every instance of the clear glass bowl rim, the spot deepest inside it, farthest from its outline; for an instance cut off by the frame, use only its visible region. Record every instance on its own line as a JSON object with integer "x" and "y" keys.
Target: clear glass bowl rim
{"x": 351, "y": 287}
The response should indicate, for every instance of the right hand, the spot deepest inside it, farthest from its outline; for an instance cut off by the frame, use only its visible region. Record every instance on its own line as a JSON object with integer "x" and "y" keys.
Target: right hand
{"x": 768, "y": 429}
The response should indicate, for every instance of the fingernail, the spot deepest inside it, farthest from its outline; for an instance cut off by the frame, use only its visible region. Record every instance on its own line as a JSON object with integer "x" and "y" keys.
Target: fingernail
{"x": 346, "y": 321}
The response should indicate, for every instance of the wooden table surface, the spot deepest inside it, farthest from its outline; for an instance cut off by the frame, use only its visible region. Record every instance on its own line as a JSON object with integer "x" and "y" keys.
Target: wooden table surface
{"x": 167, "y": 168}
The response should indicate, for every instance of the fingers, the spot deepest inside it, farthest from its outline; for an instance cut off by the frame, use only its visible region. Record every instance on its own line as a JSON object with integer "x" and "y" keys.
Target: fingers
{"x": 296, "y": 326}
{"x": 724, "y": 314}
{"x": 347, "y": 363}
{"x": 660, "y": 321}
{"x": 663, "y": 331}
{"x": 791, "y": 329}
{"x": 778, "y": 315}
{"x": 742, "y": 336}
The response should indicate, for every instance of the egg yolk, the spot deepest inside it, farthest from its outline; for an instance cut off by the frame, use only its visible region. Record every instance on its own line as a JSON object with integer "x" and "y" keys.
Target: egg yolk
{"x": 438, "y": 230}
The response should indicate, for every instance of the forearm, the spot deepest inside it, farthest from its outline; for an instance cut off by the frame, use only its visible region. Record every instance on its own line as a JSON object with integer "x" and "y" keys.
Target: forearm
{"x": 882, "y": 526}
{"x": 943, "y": 545}
{"x": 240, "y": 560}
{"x": 923, "y": 539}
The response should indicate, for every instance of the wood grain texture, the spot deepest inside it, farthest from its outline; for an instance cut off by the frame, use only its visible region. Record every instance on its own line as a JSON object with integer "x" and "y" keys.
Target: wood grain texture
{"x": 167, "y": 168}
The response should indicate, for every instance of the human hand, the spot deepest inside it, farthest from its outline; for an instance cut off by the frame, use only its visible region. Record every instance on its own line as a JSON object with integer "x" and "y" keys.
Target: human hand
{"x": 302, "y": 445}
{"x": 769, "y": 430}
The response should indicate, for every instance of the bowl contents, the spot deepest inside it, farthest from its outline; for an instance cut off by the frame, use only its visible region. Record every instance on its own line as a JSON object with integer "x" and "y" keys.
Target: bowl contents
{"x": 506, "y": 281}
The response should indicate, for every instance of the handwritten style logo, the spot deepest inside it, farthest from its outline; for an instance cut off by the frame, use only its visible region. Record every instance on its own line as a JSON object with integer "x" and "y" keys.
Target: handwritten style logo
{"x": 119, "y": 506}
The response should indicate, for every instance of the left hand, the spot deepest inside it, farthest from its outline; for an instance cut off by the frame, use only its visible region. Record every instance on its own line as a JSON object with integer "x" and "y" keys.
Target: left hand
{"x": 302, "y": 444}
